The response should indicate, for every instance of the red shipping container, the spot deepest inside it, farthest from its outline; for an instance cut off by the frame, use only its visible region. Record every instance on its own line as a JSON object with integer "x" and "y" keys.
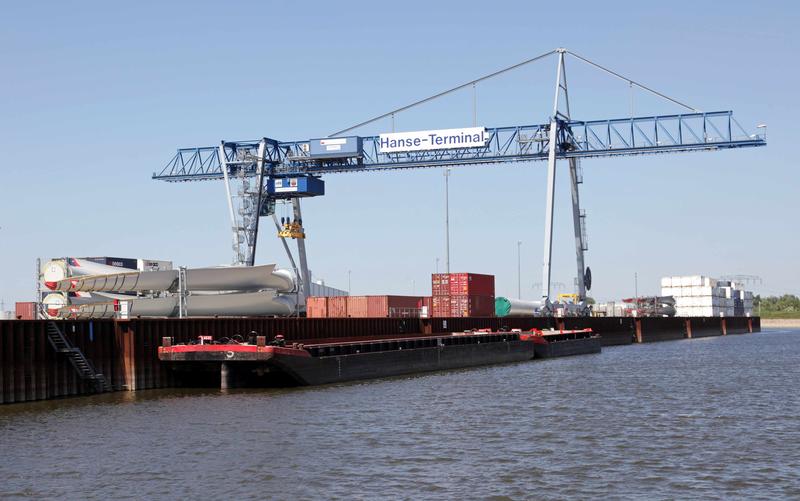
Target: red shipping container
{"x": 337, "y": 307}
{"x": 440, "y": 306}
{"x": 471, "y": 284}
{"x": 317, "y": 307}
{"x": 358, "y": 306}
{"x": 427, "y": 305}
{"x": 440, "y": 284}
{"x": 471, "y": 306}
{"x": 393, "y": 306}
{"x": 25, "y": 311}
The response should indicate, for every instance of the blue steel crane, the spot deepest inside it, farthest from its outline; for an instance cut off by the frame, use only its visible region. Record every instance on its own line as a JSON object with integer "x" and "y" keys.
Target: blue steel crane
{"x": 260, "y": 172}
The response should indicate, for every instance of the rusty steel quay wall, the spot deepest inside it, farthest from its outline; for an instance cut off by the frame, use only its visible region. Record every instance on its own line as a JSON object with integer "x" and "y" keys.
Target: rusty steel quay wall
{"x": 126, "y": 351}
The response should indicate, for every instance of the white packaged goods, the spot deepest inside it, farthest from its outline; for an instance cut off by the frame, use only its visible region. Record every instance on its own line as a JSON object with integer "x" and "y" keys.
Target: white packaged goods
{"x": 706, "y": 301}
{"x": 686, "y": 281}
{"x": 666, "y": 282}
{"x": 676, "y": 281}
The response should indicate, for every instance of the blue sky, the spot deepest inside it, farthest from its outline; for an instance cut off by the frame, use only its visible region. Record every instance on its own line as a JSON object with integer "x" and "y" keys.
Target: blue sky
{"x": 96, "y": 96}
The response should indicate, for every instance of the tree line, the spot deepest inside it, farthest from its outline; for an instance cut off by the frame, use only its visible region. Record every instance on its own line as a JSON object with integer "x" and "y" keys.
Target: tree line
{"x": 786, "y": 302}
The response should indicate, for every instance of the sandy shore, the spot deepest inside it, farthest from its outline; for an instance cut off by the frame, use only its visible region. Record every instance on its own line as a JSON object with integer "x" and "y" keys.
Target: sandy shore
{"x": 783, "y": 323}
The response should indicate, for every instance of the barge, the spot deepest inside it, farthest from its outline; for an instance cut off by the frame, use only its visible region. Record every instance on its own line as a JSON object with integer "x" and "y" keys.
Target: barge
{"x": 277, "y": 363}
{"x": 125, "y": 352}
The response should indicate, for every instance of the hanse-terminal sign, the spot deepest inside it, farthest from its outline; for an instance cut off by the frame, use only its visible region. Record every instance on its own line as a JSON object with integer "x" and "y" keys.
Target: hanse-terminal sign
{"x": 442, "y": 139}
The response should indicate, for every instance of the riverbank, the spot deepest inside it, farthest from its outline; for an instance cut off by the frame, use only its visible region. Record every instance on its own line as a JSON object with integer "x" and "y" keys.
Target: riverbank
{"x": 780, "y": 323}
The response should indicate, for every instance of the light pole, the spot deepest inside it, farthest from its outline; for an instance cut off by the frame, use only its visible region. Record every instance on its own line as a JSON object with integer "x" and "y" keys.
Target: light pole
{"x": 519, "y": 271}
{"x": 348, "y": 282}
{"x": 437, "y": 266}
{"x": 447, "y": 219}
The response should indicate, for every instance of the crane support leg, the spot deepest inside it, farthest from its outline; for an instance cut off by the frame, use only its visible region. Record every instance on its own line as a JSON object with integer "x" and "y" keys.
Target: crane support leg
{"x": 256, "y": 207}
{"x": 580, "y": 245}
{"x": 548, "y": 218}
{"x": 301, "y": 252}
{"x": 229, "y": 195}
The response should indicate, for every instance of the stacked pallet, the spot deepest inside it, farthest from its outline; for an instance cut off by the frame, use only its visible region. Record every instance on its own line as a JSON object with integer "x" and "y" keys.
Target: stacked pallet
{"x": 462, "y": 295}
{"x": 702, "y": 296}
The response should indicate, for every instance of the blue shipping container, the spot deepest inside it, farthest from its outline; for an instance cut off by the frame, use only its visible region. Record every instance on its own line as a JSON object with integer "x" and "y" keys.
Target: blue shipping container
{"x": 335, "y": 147}
{"x": 292, "y": 187}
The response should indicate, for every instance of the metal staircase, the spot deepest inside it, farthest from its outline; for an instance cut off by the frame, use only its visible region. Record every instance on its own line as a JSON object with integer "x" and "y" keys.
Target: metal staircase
{"x": 83, "y": 366}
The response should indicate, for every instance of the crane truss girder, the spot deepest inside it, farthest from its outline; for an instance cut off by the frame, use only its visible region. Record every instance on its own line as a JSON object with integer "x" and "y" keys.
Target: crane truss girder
{"x": 576, "y": 139}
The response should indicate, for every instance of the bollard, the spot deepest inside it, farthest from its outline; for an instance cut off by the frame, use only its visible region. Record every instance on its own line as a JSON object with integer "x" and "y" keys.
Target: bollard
{"x": 224, "y": 376}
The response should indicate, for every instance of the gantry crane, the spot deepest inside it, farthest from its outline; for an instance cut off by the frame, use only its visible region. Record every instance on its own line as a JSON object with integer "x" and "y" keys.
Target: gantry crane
{"x": 259, "y": 173}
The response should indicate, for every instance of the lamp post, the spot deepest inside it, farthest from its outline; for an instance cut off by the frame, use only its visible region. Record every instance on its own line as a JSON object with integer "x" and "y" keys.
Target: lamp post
{"x": 447, "y": 219}
{"x": 348, "y": 282}
{"x": 519, "y": 271}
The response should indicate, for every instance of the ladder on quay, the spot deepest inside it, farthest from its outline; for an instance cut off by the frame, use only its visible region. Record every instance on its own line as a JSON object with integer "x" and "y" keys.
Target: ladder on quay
{"x": 82, "y": 365}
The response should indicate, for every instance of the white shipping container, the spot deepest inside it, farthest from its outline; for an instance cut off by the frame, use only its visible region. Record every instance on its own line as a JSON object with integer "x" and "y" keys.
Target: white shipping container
{"x": 676, "y": 282}
{"x": 666, "y": 282}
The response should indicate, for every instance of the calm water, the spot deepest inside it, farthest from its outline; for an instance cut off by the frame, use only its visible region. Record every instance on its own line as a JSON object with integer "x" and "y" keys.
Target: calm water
{"x": 711, "y": 418}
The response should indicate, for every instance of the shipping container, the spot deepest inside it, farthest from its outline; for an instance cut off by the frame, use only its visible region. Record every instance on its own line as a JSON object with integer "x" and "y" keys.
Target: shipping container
{"x": 440, "y": 284}
{"x": 393, "y": 306}
{"x": 117, "y": 262}
{"x": 427, "y": 307}
{"x": 337, "y": 307}
{"x": 471, "y": 306}
{"x": 471, "y": 284}
{"x": 358, "y": 306}
{"x": 25, "y": 310}
{"x": 440, "y": 306}
{"x": 317, "y": 307}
